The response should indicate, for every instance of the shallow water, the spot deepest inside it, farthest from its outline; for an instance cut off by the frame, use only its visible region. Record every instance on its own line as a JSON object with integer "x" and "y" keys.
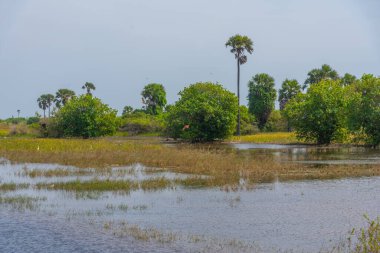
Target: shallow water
{"x": 310, "y": 154}
{"x": 300, "y": 216}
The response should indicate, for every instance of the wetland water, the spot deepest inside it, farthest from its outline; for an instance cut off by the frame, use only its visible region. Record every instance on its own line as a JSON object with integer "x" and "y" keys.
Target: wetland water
{"x": 303, "y": 216}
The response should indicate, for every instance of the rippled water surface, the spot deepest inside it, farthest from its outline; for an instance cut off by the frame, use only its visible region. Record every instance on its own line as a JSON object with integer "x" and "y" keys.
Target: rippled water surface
{"x": 301, "y": 216}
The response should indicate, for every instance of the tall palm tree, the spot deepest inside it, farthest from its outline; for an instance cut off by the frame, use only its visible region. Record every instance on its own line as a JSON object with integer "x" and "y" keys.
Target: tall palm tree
{"x": 88, "y": 87}
{"x": 49, "y": 101}
{"x": 42, "y": 103}
{"x": 18, "y": 113}
{"x": 62, "y": 96}
{"x": 239, "y": 44}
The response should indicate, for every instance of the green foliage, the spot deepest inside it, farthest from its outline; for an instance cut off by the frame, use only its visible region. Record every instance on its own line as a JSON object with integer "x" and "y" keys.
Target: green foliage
{"x": 127, "y": 110}
{"x": 261, "y": 97}
{"x": 86, "y": 116}
{"x": 348, "y": 79}
{"x": 364, "y": 108}
{"x": 276, "y": 122}
{"x": 62, "y": 96}
{"x": 248, "y": 122}
{"x": 205, "y": 112}
{"x": 88, "y": 87}
{"x": 319, "y": 115}
{"x": 368, "y": 239}
{"x": 239, "y": 44}
{"x": 32, "y": 120}
{"x": 154, "y": 98}
{"x": 141, "y": 123}
{"x": 45, "y": 101}
{"x": 289, "y": 89}
{"x": 317, "y": 75}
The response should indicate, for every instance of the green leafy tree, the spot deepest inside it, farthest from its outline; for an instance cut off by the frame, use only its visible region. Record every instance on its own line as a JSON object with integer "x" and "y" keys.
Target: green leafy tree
{"x": 154, "y": 98}
{"x": 88, "y": 87}
{"x": 239, "y": 44}
{"x": 62, "y": 96}
{"x": 348, "y": 79}
{"x": 319, "y": 115}
{"x": 289, "y": 89}
{"x": 261, "y": 97}
{"x": 364, "y": 108}
{"x": 205, "y": 112}
{"x": 317, "y": 75}
{"x": 127, "y": 110}
{"x": 86, "y": 117}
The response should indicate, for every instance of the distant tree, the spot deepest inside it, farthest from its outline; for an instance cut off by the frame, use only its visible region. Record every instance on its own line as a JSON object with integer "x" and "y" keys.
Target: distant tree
{"x": 261, "y": 97}
{"x": 127, "y": 110}
{"x": 239, "y": 44}
{"x": 317, "y": 75}
{"x": 289, "y": 89}
{"x": 43, "y": 103}
{"x": 364, "y": 108}
{"x": 49, "y": 101}
{"x": 18, "y": 113}
{"x": 154, "y": 98}
{"x": 86, "y": 117}
{"x": 205, "y": 112}
{"x": 348, "y": 79}
{"x": 62, "y": 96}
{"x": 319, "y": 115}
{"x": 88, "y": 87}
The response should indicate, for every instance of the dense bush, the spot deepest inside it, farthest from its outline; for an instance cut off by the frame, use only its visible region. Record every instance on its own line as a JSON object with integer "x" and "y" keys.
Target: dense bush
{"x": 85, "y": 116}
{"x": 319, "y": 115}
{"x": 248, "y": 124}
{"x": 364, "y": 108}
{"x": 32, "y": 120}
{"x": 276, "y": 122}
{"x": 140, "y": 122}
{"x": 205, "y": 112}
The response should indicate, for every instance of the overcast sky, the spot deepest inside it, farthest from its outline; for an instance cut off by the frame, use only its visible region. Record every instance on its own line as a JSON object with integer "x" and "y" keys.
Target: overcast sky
{"x": 122, "y": 45}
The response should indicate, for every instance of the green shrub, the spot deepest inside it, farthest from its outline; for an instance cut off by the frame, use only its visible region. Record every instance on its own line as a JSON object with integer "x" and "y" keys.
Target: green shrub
{"x": 248, "y": 123}
{"x": 84, "y": 116}
{"x": 141, "y": 123}
{"x": 276, "y": 123}
{"x": 205, "y": 112}
{"x": 32, "y": 120}
{"x": 319, "y": 115}
{"x": 364, "y": 109}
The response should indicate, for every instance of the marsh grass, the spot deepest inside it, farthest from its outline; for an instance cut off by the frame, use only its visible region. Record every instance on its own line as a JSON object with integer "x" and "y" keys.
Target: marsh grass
{"x": 277, "y": 138}
{"x": 91, "y": 185}
{"x": 13, "y": 186}
{"x": 222, "y": 166}
{"x": 55, "y": 173}
{"x": 21, "y": 203}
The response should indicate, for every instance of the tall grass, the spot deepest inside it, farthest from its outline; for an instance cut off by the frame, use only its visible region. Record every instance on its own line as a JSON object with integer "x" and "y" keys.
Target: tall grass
{"x": 222, "y": 165}
{"x": 277, "y": 137}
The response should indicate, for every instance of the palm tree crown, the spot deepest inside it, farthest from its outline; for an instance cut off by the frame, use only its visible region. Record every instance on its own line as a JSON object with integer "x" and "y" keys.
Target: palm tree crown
{"x": 88, "y": 87}
{"x": 239, "y": 44}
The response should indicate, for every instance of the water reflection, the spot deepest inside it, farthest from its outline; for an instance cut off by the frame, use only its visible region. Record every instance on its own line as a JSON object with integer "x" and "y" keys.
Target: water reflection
{"x": 273, "y": 216}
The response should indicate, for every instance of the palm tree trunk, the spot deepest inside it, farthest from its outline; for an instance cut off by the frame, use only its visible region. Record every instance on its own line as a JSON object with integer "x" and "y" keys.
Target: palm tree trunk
{"x": 44, "y": 113}
{"x": 238, "y": 95}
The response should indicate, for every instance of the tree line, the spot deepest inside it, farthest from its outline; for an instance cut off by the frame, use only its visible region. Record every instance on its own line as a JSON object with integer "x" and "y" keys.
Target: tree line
{"x": 326, "y": 107}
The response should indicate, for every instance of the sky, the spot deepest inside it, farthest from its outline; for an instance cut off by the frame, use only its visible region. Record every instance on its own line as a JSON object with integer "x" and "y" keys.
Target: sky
{"x": 122, "y": 45}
